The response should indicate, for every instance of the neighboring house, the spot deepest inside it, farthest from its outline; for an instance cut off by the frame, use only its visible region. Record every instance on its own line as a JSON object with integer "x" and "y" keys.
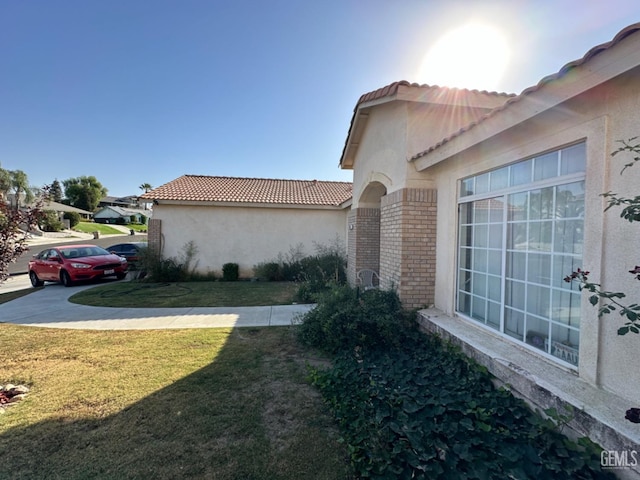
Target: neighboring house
{"x": 478, "y": 204}
{"x": 120, "y": 215}
{"x": 61, "y": 209}
{"x": 130, "y": 201}
{"x": 245, "y": 220}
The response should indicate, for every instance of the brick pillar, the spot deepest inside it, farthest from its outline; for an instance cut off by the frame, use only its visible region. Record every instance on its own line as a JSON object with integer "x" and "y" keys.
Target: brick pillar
{"x": 363, "y": 241}
{"x": 154, "y": 234}
{"x": 408, "y": 245}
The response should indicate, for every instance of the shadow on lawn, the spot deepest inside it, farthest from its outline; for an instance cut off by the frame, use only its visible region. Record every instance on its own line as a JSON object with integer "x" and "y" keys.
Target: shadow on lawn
{"x": 247, "y": 415}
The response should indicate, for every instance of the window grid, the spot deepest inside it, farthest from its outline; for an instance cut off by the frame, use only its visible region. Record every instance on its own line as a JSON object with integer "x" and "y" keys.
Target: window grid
{"x": 531, "y": 304}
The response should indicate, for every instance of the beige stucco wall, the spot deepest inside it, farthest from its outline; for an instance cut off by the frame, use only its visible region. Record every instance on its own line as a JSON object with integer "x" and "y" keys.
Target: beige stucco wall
{"x": 600, "y": 116}
{"x": 246, "y": 235}
{"x": 611, "y": 245}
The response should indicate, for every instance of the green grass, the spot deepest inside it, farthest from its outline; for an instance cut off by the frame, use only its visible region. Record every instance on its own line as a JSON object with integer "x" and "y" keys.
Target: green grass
{"x": 90, "y": 227}
{"x": 199, "y": 403}
{"x": 188, "y": 294}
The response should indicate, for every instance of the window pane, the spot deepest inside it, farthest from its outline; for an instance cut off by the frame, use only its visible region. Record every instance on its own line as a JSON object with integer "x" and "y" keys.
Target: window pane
{"x": 493, "y": 290}
{"x": 514, "y": 323}
{"x": 573, "y": 159}
{"x": 482, "y": 183}
{"x": 539, "y": 268}
{"x": 480, "y": 233}
{"x": 467, "y": 187}
{"x": 478, "y": 308}
{"x": 566, "y": 307}
{"x": 493, "y": 315}
{"x": 563, "y": 265}
{"x": 517, "y": 206}
{"x": 466, "y": 236}
{"x": 541, "y": 204}
{"x": 466, "y": 213}
{"x": 545, "y": 166}
{"x": 481, "y": 211}
{"x": 521, "y": 173}
{"x": 537, "y": 333}
{"x": 495, "y": 262}
{"x": 538, "y": 300}
{"x": 465, "y": 258}
{"x": 568, "y": 236}
{"x": 464, "y": 280}
{"x": 499, "y": 179}
{"x": 495, "y": 236}
{"x": 514, "y": 294}
{"x": 479, "y": 284}
{"x": 516, "y": 265}
{"x": 464, "y": 303}
{"x": 570, "y": 200}
{"x": 517, "y": 236}
{"x": 480, "y": 260}
{"x": 540, "y": 236}
{"x": 496, "y": 209}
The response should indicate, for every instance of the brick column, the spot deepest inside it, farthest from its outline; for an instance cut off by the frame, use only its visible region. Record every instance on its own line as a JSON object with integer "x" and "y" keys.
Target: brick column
{"x": 154, "y": 234}
{"x": 408, "y": 245}
{"x": 363, "y": 241}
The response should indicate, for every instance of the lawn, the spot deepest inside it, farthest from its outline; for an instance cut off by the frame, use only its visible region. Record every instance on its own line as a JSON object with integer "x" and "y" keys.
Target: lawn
{"x": 188, "y": 294}
{"x": 211, "y": 403}
{"x": 90, "y": 227}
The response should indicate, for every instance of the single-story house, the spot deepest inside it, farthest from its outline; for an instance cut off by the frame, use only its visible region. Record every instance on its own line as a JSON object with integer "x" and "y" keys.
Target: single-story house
{"x": 130, "y": 201}
{"x": 245, "y": 220}
{"x": 480, "y": 203}
{"x": 122, "y": 215}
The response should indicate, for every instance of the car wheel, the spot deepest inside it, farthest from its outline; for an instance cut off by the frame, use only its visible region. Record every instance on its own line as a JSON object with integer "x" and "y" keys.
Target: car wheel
{"x": 65, "y": 278}
{"x": 35, "y": 281}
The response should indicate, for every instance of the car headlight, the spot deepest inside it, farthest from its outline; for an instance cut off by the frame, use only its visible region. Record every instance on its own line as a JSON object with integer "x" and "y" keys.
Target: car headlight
{"x": 80, "y": 265}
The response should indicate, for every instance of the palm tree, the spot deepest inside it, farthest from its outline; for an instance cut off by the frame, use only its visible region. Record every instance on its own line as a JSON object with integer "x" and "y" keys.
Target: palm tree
{"x": 146, "y": 187}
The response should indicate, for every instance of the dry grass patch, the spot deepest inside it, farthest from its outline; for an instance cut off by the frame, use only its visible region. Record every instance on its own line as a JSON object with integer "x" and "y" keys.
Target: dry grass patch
{"x": 214, "y": 403}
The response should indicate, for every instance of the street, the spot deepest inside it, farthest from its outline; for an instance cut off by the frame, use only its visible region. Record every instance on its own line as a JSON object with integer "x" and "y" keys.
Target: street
{"x": 22, "y": 265}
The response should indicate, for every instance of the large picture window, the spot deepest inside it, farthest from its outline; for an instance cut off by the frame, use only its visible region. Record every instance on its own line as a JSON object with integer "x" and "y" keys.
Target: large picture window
{"x": 520, "y": 233}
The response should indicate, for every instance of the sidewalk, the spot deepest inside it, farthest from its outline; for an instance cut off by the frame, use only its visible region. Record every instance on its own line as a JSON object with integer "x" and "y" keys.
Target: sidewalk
{"x": 50, "y": 308}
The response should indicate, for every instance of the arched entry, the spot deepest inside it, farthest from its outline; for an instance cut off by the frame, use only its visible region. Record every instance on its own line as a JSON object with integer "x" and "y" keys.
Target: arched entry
{"x": 363, "y": 236}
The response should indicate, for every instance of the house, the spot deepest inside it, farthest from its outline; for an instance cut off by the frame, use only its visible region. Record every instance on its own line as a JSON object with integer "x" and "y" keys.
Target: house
{"x": 475, "y": 206}
{"x": 245, "y": 220}
{"x": 120, "y": 215}
{"x": 130, "y": 201}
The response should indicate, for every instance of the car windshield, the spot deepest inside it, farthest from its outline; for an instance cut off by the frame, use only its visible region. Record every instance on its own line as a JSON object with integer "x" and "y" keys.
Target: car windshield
{"x": 91, "y": 251}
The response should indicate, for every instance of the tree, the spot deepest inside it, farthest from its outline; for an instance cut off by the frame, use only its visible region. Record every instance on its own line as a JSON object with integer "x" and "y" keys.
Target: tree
{"x": 55, "y": 191}
{"x": 15, "y": 225}
{"x": 20, "y": 184}
{"x": 5, "y": 183}
{"x": 84, "y": 192}
{"x": 145, "y": 187}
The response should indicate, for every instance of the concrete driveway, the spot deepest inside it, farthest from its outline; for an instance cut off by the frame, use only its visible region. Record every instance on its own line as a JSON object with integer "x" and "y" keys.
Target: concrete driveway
{"x": 51, "y": 308}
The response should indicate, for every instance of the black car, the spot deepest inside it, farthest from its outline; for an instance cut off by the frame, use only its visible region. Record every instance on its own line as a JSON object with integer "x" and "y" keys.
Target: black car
{"x": 130, "y": 251}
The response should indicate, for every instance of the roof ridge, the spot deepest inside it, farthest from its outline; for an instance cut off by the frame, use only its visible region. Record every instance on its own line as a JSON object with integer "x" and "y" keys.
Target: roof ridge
{"x": 392, "y": 89}
{"x": 264, "y": 178}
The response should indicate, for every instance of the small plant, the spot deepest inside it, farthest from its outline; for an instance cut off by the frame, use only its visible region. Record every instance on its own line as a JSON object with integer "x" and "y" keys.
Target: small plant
{"x": 230, "y": 272}
{"x": 49, "y": 222}
{"x": 73, "y": 217}
{"x": 269, "y": 271}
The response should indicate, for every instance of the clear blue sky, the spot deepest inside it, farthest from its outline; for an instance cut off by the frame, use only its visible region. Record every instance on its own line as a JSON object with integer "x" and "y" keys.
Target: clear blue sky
{"x": 145, "y": 91}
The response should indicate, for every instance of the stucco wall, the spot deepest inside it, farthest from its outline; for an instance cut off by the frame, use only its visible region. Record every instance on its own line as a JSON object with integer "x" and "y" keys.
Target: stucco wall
{"x": 600, "y": 117}
{"x": 246, "y": 235}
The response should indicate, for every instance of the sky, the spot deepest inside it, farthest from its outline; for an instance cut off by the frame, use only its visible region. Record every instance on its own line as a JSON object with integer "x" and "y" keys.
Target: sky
{"x": 135, "y": 92}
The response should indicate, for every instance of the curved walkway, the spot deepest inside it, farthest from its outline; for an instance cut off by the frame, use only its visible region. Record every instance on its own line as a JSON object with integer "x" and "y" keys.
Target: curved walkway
{"x": 51, "y": 308}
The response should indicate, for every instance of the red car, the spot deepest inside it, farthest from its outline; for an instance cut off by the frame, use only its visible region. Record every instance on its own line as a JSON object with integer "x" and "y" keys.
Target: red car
{"x": 72, "y": 263}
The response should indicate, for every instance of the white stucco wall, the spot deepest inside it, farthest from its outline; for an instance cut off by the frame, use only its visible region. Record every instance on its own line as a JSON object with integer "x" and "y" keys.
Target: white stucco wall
{"x": 246, "y": 235}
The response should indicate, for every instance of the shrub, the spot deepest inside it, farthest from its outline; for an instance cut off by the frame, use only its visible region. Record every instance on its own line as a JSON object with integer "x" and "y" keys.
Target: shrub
{"x": 346, "y": 318}
{"x": 49, "y": 222}
{"x": 73, "y": 217}
{"x": 269, "y": 271}
{"x": 230, "y": 272}
{"x": 160, "y": 269}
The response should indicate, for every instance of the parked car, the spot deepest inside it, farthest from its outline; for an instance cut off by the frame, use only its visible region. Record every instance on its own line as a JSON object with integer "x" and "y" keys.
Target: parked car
{"x": 71, "y": 263}
{"x": 130, "y": 251}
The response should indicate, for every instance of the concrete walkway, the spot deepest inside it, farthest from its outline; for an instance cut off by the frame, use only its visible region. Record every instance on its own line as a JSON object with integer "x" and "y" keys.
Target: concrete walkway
{"x": 50, "y": 308}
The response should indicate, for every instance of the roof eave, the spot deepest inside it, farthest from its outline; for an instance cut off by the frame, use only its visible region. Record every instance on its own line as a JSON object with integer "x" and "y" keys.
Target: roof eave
{"x": 575, "y": 79}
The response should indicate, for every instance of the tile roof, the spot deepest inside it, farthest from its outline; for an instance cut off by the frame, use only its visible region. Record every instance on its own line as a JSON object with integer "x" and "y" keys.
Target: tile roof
{"x": 544, "y": 81}
{"x": 202, "y": 188}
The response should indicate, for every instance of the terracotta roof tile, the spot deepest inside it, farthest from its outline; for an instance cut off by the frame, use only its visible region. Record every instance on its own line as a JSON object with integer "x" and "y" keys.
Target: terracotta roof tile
{"x": 202, "y": 188}
{"x": 548, "y": 79}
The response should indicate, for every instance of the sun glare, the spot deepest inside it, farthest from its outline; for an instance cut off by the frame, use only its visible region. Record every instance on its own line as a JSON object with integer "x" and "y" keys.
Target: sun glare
{"x": 472, "y": 56}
